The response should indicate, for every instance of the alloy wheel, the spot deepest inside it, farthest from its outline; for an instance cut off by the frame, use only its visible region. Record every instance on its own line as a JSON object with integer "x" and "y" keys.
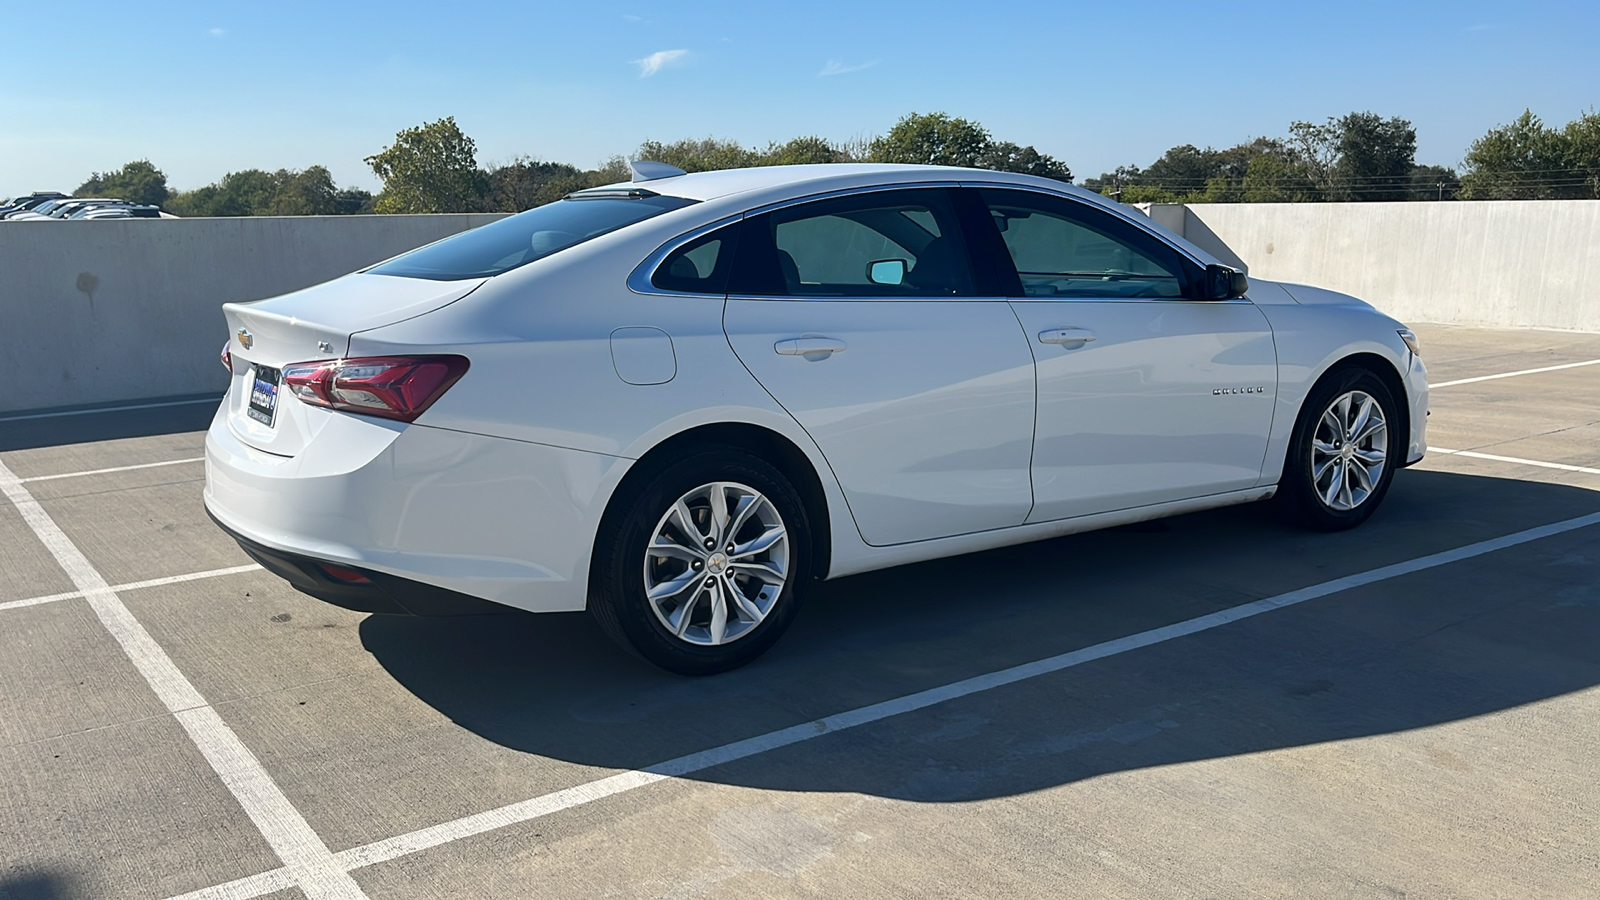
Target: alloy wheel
{"x": 1349, "y": 449}
{"x": 716, "y": 563}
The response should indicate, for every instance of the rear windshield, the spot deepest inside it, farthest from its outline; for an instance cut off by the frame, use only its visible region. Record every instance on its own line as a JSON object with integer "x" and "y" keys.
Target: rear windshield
{"x": 516, "y": 241}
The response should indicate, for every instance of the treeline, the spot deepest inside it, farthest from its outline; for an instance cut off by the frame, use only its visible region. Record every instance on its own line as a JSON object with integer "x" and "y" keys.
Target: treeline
{"x": 433, "y": 168}
{"x": 1357, "y": 157}
{"x": 1362, "y": 156}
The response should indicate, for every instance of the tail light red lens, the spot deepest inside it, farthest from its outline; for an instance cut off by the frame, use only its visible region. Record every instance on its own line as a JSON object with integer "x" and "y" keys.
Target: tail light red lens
{"x": 227, "y": 355}
{"x": 390, "y": 387}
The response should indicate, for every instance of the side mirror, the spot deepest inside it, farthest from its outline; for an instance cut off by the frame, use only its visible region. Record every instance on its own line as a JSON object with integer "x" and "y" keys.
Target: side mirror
{"x": 887, "y": 271}
{"x": 1223, "y": 283}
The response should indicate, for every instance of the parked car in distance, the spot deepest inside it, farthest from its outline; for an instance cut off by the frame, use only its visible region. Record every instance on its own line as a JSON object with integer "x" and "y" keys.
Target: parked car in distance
{"x": 678, "y": 402}
{"x": 66, "y": 208}
{"x": 123, "y": 211}
{"x": 28, "y": 202}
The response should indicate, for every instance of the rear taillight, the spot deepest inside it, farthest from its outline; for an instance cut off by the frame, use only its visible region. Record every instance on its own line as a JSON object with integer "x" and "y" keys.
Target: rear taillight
{"x": 227, "y": 356}
{"x": 391, "y": 387}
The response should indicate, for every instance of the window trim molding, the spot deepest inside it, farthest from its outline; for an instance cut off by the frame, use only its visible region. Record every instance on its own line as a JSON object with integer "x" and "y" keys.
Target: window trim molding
{"x": 641, "y": 279}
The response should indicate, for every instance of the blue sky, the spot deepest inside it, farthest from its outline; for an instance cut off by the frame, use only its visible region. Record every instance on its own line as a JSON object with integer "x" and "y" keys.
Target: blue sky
{"x": 205, "y": 88}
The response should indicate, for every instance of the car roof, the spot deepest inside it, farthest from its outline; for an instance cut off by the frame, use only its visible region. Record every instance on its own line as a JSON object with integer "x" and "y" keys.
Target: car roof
{"x": 819, "y": 177}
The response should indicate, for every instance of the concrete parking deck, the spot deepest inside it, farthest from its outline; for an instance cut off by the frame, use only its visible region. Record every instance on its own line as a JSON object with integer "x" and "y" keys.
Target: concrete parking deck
{"x": 1208, "y": 706}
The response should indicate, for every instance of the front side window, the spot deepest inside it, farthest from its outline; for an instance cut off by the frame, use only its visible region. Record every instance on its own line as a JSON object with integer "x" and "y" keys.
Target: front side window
{"x": 882, "y": 244}
{"x": 1065, "y": 249}
{"x": 520, "y": 239}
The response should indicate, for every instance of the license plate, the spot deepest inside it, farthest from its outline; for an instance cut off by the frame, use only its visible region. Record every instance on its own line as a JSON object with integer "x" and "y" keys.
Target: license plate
{"x": 263, "y": 395}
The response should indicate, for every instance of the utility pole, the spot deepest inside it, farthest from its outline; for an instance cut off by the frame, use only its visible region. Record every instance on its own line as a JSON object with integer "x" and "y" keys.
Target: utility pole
{"x": 1441, "y": 190}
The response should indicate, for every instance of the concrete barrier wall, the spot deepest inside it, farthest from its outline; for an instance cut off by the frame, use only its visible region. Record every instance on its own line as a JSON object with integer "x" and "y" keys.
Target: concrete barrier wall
{"x": 104, "y": 311}
{"x": 1532, "y": 264}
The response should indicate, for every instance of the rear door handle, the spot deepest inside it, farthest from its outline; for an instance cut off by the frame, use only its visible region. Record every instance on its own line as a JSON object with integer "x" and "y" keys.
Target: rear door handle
{"x": 811, "y": 347}
{"x": 1066, "y": 336}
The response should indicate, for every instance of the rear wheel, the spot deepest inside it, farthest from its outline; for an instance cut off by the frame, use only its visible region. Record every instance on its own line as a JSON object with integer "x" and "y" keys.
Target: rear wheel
{"x": 1339, "y": 464}
{"x": 702, "y": 570}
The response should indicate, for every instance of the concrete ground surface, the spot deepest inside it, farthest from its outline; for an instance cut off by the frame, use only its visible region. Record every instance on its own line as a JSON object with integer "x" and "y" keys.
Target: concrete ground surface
{"x": 1227, "y": 707}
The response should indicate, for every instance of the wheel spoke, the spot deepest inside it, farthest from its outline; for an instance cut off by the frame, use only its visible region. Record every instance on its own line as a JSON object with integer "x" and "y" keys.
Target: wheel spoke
{"x": 719, "y": 611}
{"x": 1323, "y": 447}
{"x": 762, "y": 571}
{"x": 1370, "y": 458}
{"x": 742, "y": 511}
{"x": 1330, "y": 420}
{"x": 667, "y": 547}
{"x": 666, "y": 590}
{"x": 1342, "y": 413}
{"x": 1363, "y": 415}
{"x": 685, "y": 614}
{"x": 1334, "y": 482}
{"x": 719, "y": 512}
{"x": 1361, "y": 476}
{"x": 751, "y": 612}
{"x": 1316, "y": 474}
{"x": 1345, "y": 495}
{"x": 1371, "y": 430}
{"x": 763, "y": 541}
{"x": 686, "y": 523}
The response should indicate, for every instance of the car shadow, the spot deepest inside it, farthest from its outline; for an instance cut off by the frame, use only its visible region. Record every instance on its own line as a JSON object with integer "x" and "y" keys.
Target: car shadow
{"x": 1511, "y": 628}
{"x": 28, "y": 429}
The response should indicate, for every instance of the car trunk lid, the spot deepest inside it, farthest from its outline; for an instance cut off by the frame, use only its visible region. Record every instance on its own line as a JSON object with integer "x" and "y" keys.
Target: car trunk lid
{"x": 311, "y": 324}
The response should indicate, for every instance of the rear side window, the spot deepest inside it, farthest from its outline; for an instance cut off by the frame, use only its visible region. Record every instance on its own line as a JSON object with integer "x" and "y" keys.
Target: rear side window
{"x": 832, "y": 248}
{"x": 700, "y": 266}
{"x": 1065, "y": 249}
{"x": 516, "y": 241}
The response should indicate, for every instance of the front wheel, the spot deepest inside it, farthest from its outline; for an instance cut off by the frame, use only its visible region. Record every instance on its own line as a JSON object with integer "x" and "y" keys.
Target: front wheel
{"x": 1339, "y": 464}
{"x": 702, "y": 571}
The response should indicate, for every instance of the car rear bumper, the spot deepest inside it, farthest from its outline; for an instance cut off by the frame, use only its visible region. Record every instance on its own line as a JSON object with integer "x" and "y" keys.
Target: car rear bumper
{"x": 375, "y": 592}
{"x": 414, "y": 508}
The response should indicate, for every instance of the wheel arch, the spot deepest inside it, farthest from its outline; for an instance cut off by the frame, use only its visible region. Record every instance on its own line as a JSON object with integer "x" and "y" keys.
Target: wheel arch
{"x": 1379, "y": 366}
{"x": 758, "y": 440}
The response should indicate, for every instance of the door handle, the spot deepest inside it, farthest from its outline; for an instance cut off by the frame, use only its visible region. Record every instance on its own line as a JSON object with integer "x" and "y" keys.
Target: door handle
{"x": 811, "y": 347}
{"x": 1066, "y": 336}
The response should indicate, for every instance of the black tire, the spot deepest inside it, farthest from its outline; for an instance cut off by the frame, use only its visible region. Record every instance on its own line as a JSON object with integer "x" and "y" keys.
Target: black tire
{"x": 618, "y": 590}
{"x": 1298, "y": 497}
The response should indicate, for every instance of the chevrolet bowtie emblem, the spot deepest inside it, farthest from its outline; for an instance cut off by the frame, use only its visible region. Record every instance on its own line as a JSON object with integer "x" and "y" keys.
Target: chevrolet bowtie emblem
{"x": 246, "y": 339}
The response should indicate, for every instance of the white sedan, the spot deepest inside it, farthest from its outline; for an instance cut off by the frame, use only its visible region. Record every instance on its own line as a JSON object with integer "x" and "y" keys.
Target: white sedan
{"x": 677, "y": 402}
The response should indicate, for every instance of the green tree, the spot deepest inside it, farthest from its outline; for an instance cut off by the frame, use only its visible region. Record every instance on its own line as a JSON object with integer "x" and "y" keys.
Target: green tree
{"x": 309, "y": 192}
{"x": 431, "y": 168}
{"x": 1375, "y": 157}
{"x": 1581, "y": 152}
{"x": 932, "y": 139}
{"x": 1276, "y": 177}
{"x": 703, "y": 155}
{"x": 1004, "y": 156}
{"x": 256, "y": 192}
{"x": 1519, "y": 161}
{"x": 136, "y": 182}
{"x": 525, "y": 183}
{"x": 802, "y": 151}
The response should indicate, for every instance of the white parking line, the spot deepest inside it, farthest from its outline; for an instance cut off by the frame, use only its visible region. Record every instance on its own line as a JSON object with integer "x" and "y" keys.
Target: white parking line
{"x": 1471, "y": 454}
{"x": 111, "y": 409}
{"x": 133, "y": 586}
{"x": 307, "y": 860}
{"x": 548, "y": 804}
{"x": 1444, "y": 384}
{"x": 154, "y": 465}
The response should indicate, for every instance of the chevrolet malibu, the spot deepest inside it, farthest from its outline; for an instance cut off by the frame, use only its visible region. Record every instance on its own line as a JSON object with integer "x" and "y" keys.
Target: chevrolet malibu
{"x": 680, "y": 401}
